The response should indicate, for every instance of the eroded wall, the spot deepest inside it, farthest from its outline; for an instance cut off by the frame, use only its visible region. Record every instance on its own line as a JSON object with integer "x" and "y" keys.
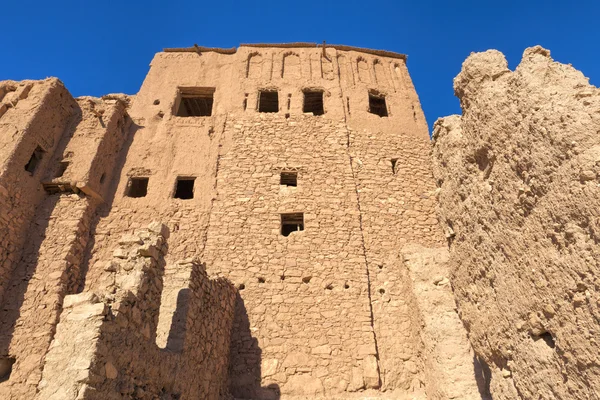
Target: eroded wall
{"x": 519, "y": 199}
{"x": 329, "y": 311}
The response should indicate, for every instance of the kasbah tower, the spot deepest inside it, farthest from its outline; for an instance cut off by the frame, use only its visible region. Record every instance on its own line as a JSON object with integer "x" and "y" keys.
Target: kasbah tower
{"x": 256, "y": 223}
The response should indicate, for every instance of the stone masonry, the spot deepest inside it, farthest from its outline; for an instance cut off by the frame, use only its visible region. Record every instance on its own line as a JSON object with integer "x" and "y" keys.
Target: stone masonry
{"x": 256, "y": 223}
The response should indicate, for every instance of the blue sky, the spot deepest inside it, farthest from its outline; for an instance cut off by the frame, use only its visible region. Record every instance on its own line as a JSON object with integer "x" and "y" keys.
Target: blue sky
{"x": 99, "y": 47}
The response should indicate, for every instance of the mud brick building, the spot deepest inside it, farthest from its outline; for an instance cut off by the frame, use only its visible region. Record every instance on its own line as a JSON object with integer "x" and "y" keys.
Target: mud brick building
{"x": 256, "y": 222}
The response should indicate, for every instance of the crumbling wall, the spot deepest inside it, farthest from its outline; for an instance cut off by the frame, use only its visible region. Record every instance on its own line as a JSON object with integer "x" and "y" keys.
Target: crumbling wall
{"x": 124, "y": 360}
{"x": 33, "y": 117}
{"x": 450, "y": 369}
{"x": 519, "y": 178}
{"x": 49, "y": 265}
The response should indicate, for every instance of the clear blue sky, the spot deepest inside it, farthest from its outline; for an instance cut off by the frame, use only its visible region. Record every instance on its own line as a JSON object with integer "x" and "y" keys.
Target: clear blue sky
{"x": 99, "y": 47}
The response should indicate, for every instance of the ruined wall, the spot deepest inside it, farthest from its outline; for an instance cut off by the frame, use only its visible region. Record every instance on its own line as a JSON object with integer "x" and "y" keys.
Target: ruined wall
{"x": 519, "y": 199}
{"x": 50, "y": 264}
{"x": 112, "y": 335}
{"x": 33, "y": 116}
{"x": 328, "y": 311}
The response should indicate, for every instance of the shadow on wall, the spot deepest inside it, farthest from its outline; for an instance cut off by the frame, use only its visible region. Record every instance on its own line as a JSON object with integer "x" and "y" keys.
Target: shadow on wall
{"x": 483, "y": 376}
{"x": 245, "y": 360}
{"x": 22, "y": 273}
{"x": 176, "y": 338}
{"x": 104, "y": 209}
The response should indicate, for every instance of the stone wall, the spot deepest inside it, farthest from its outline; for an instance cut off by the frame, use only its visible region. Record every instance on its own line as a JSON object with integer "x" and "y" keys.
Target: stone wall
{"x": 112, "y": 336}
{"x": 519, "y": 199}
{"x": 327, "y": 311}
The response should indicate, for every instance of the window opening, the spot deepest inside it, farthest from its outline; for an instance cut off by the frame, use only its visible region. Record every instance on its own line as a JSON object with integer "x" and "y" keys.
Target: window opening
{"x": 34, "y": 160}
{"x": 195, "y": 102}
{"x": 313, "y": 102}
{"x": 137, "y": 187}
{"x": 268, "y": 101}
{"x": 184, "y": 188}
{"x": 289, "y": 179}
{"x": 62, "y": 167}
{"x": 377, "y": 105}
{"x": 291, "y": 223}
{"x": 394, "y": 161}
{"x": 289, "y": 101}
{"x": 245, "y": 101}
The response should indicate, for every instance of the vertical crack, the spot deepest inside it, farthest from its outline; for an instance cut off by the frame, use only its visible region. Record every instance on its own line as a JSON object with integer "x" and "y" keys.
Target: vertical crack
{"x": 362, "y": 236}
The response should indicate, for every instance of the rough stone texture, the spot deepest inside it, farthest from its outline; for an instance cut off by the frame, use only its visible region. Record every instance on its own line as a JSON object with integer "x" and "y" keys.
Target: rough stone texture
{"x": 98, "y": 306}
{"x": 519, "y": 177}
{"x": 126, "y": 362}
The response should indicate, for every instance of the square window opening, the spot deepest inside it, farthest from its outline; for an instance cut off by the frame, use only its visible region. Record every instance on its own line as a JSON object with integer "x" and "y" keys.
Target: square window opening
{"x": 62, "y": 167}
{"x": 313, "y": 102}
{"x": 289, "y": 179}
{"x": 377, "y": 104}
{"x": 394, "y": 161}
{"x": 184, "y": 188}
{"x": 268, "y": 101}
{"x": 34, "y": 160}
{"x": 292, "y": 222}
{"x": 195, "y": 102}
{"x": 137, "y": 187}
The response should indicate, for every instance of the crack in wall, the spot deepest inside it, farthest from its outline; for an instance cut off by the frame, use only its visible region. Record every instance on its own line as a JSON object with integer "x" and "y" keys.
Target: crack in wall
{"x": 215, "y": 187}
{"x": 362, "y": 236}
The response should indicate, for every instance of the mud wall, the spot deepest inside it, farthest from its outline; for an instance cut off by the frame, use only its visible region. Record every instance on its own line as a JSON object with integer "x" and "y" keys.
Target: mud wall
{"x": 519, "y": 199}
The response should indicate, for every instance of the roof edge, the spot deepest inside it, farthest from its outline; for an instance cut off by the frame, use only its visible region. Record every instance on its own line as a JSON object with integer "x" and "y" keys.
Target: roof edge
{"x": 233, "y": 50}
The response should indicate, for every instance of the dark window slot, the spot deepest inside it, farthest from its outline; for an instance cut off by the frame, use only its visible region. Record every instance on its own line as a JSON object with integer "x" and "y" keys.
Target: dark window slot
{"x": 292, "y": 222}
{"x": 394, "y": 161}
{"x": 377, "y": 105}
{"x": 268, "y": 101}
{"x": 289, "y": 179}
{"x": 34, "y": 160}
{"x": 184, "y": 188}
{"x": 313, "y": 102}
{"x": 137, "y": 187}
{"x": 195, "y": 102}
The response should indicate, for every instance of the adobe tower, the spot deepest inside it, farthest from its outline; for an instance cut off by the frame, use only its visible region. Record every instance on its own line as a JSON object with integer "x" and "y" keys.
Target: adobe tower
{"x": 256, "y": 222}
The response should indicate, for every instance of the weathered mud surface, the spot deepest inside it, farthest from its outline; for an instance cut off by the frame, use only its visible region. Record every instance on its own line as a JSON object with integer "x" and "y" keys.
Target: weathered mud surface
{"x": 519, "y": 178}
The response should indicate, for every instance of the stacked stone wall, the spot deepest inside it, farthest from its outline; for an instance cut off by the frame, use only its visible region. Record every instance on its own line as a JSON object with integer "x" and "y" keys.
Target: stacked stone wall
{"x": 126, "y": 362}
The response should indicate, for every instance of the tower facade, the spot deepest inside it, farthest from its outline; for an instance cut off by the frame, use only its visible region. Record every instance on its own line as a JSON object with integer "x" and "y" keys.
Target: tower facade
{"x": 258, "y": 222}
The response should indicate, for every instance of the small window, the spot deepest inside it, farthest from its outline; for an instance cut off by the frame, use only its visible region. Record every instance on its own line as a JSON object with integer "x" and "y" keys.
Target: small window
{"x": 62, "y": 167}
{"x": 195, "y": 102}
{"x": 34, "y": 160}
{"x": 313, "y": 102}
{"x": 289, "y": 179}
{"x": 394, "y": 161}
{"x": 268, "y": 101}
{"x": 377, "y": 104}
{"x": 184, "y": 188}
{"x": 137, "y": 187}
{"x": 291, "y": 223}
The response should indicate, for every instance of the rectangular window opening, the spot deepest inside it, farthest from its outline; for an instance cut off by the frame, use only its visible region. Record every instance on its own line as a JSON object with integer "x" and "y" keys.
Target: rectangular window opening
{"x": 34, "y": 160}
{"x": 377, "y": 104}
{"x": 289, "y": 179}
{"x": 62, "y": 167}
{"x": 292, "y": 222}
{"x": 184, "y": 188}
{"x": 268, "y": 101}
{"x": 313, "y": 102}
{"x": 394, "y": 161}
{"x": 137, "y": 187}
{"x": 195, "y": 102}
